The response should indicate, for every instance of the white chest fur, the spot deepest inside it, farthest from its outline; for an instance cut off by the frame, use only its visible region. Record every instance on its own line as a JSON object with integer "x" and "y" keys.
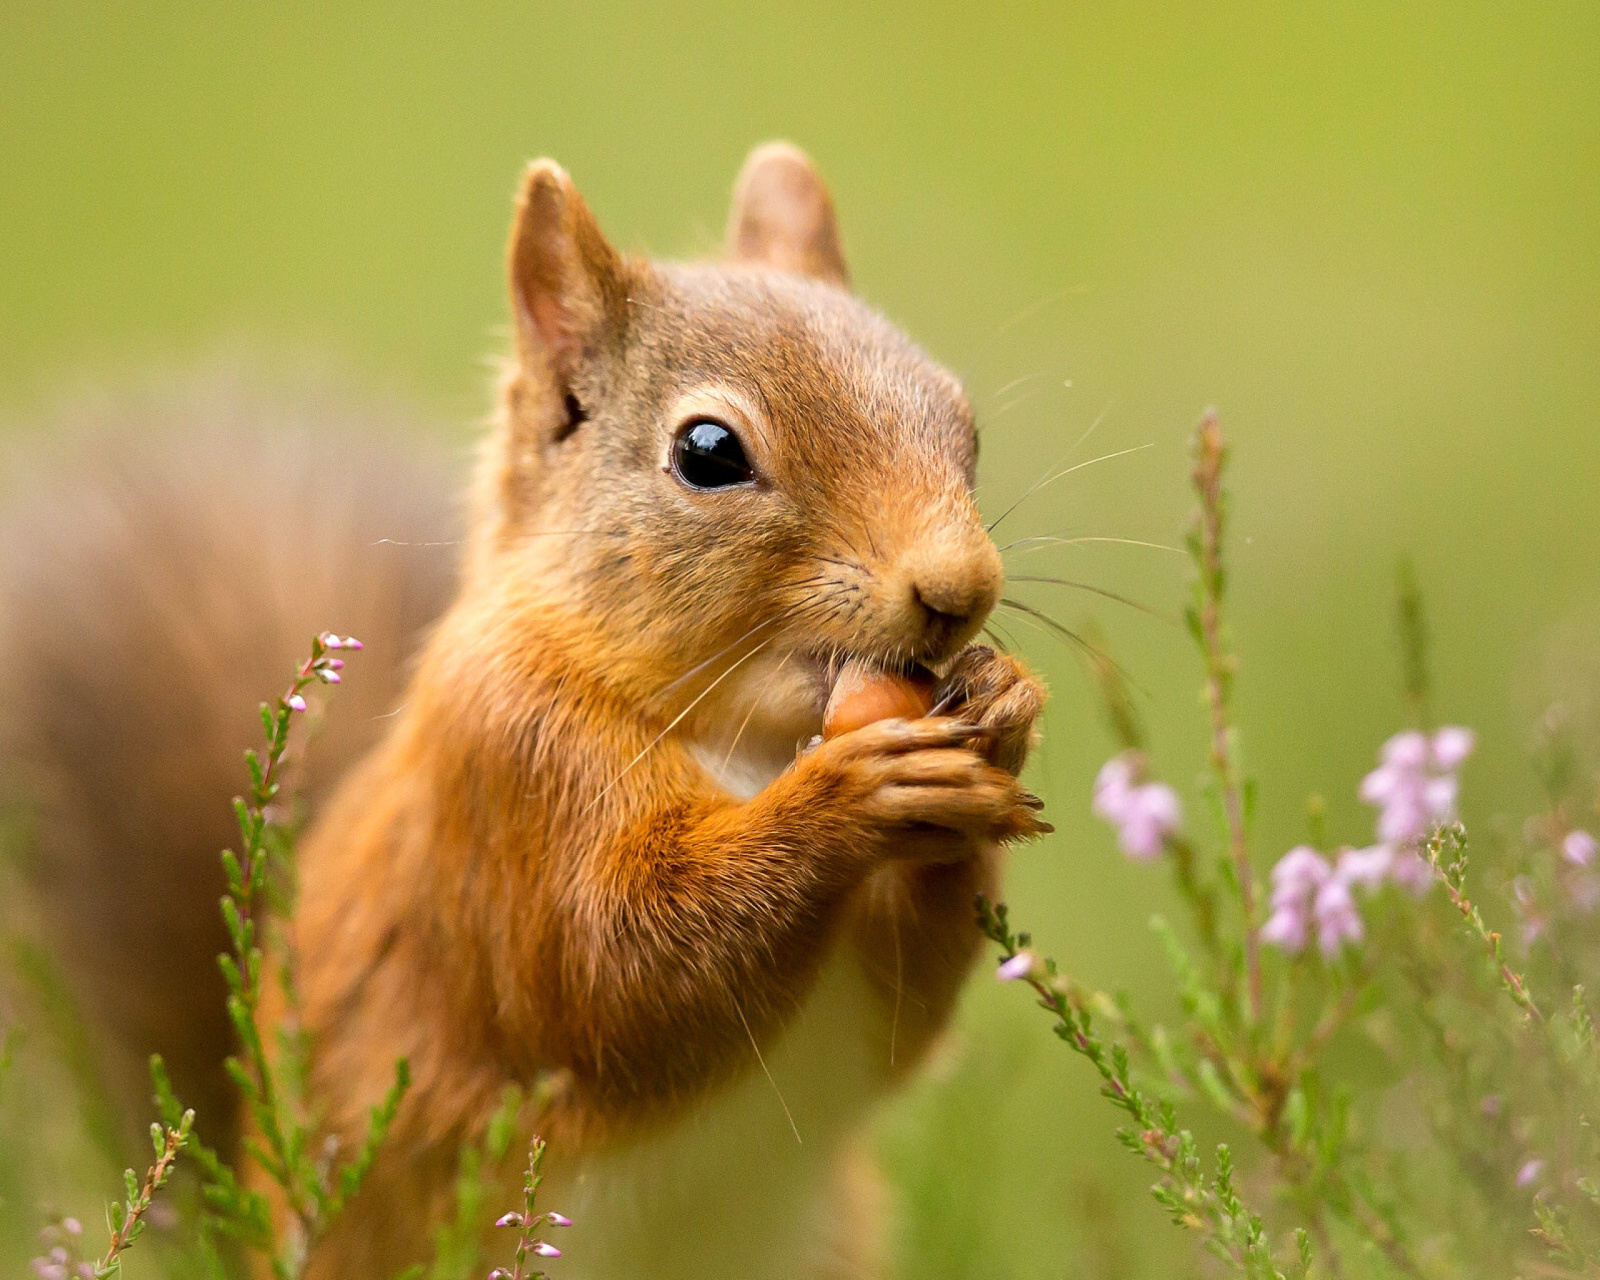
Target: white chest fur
{"x": 730, "y": 1192}
{"x": 747, "y": 1185}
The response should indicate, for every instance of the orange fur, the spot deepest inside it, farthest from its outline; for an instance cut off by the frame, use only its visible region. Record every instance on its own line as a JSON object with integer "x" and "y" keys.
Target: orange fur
{"x": 535, "y": 873}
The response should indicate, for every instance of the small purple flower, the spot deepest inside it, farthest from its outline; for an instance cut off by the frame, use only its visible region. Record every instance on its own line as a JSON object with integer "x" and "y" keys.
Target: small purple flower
{"x": 1530, "y": 1171}
{"x": 546, "y": 1250}
{"x": 48, "y": 1270}
{"x": 1452, "y": 745}
{"x": 327, "y": 676}
{"x": 558, "y": 1219}
{"x": 1286, "y": 929}
{"x": 1338, "y": 921}
{"x": 1578, "y": 848}
{"x": 1366, "y": 867}
{"x": 296, "y": 702}
{"x": 72, "y": 1226}
{"x": 1414, "y": 785}
{"x": 1145, "y": 814}
{"x": 500, "y": 1273}
{"x": 58, "y": 1254}
{"x": 1410, "y": 870}
{"x": 1296, "y": 880}
{"x": 350, "y": 642}
{"x": 1019, "y": 966}
{"x": 512, "y": 1219}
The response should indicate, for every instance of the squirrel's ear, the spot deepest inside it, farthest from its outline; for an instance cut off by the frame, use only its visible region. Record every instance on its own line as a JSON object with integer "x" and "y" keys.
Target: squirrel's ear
{"x": 568, "y": 285}
{"x": 782, "y": 216}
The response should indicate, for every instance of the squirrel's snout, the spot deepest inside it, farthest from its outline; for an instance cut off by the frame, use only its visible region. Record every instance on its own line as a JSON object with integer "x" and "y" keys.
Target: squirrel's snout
{"x": 952, "y": 583}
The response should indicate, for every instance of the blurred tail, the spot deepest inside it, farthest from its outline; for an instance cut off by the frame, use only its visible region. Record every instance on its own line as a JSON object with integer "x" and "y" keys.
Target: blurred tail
{"x": 162, "y": 572}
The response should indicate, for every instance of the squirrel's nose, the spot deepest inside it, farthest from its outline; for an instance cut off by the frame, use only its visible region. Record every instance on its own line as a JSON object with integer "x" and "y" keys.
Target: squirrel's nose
{"x": 954, "y": 581}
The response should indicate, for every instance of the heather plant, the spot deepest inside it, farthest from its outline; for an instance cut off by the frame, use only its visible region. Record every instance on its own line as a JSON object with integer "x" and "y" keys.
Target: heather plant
{"x": 314, "y": 1183}
{"x": 1409, "y": 1098}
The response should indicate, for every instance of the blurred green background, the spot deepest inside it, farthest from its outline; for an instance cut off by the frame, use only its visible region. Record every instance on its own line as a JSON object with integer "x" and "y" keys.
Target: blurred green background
{"x": 1369, "y": 233}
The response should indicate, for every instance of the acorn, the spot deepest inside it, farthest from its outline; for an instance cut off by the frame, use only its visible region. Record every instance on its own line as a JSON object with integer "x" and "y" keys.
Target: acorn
{"x": 864, "y": 694}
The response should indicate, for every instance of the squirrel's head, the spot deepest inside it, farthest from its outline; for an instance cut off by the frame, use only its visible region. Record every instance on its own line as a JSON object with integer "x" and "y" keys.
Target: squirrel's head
{"x": 713, "y": 460}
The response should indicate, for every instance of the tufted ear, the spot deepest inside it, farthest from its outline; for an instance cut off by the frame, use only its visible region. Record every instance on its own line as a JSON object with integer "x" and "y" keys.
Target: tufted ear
{"x": 568, "y": 285}
{"x": 783, "y": 217}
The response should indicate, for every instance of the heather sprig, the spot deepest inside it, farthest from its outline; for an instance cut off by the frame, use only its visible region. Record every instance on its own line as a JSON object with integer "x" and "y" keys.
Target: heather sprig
{"x": 284, "y": 1140}
{"x": 1208, "y": 1205}
{"x": 458, "y": 1243}
{"x": 125, "y": 1219}
{"x": 529, "y": 1221}
{"x": 1207, "y": 625}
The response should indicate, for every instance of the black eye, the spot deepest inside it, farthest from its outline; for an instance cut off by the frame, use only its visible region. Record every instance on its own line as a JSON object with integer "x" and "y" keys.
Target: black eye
{"x": 706, "y": 455}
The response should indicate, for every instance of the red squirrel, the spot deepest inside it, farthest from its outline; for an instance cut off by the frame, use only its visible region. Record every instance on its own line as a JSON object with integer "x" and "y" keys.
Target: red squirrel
{"x": 602, "y": 842}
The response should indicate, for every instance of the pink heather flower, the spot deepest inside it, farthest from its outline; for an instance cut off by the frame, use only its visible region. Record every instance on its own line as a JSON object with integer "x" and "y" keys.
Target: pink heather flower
{"x": 58, "y": 1254}
{"x": 331, "y": 641}
{"x": 72, "y": 1226}
{"x": 558, "y": 1219}
{"x": 350, "y": 642}
{"x": 296, "y": 702}
{"x": 1452, "y": 745}
{"x": 1529, "y": 1172}
{"x": 1338, "y": 921}
{"x": 509, "y": 1220}
{"x": 1286, "y": 929}
{"x": 333, "y": 664}
{"x": 1019, "y": 966}
{"x": 1410, "y": 870}
{"x": 1112, "y": 787}
{"x": 500, "y": 1273}
{"x": 1296, "y": 879}
{"x": 48, "y": 1270}
{"x": 1145, "y": 814}
{"x": 1414, "y": 785}
{"x": 1310, "y": 896}
{"x": 1366, "y": 867}
{"x": 546, "y": 1250}
{"x": 1578, "y": 848}
{"x": 327, "y": 676}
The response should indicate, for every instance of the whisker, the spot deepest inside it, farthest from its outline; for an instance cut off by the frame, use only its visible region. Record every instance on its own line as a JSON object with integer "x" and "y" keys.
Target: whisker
{"x": 676, "y": 721}
{"x": 1042, "y": 481}
{"x": 1099, "y": 591}
{"x": 1017, "y": 382}
{"x": 1067, "y": 471}
{"x": 1047, "y": 539}
{"x": 1077, "y": 642}
{"x": 754, "y": 703}
{"x": 989, "y": 630}
{"x": 787, "y": 1113}
{"x": 699, "y": 667}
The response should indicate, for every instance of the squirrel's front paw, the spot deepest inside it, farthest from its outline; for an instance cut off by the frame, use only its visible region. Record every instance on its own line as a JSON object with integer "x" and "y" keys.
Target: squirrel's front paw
{"x": 995, "y": 692}
{"x": 923, "y": 778}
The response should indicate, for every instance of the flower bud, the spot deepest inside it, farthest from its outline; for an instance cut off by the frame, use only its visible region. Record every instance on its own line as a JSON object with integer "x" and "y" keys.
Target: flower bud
{"x": 1019, "y": 966}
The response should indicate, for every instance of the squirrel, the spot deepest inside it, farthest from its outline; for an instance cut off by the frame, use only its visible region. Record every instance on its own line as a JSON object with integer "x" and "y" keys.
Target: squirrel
{"x": 600, "y": 843}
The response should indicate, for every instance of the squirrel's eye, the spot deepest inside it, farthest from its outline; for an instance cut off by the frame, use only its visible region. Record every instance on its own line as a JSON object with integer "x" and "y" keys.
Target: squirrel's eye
{"x": 707, "y": 455}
